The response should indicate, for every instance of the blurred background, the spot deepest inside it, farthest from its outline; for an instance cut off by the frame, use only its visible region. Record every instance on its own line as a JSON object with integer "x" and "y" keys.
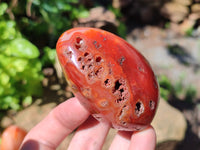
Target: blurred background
{"x": 166, "y": 32}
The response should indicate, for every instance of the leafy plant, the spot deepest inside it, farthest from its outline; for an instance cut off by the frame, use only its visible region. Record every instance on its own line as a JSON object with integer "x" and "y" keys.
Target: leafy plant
{"x": 45, "y": 20}
{"x": 189, "y": 31}
{"x": 177, "y": 90}
{"x": 48, "y": 57}
{"x": 165, "y": 87}
{"x": 20, "y": 68}
{"x": 190, "y": 93}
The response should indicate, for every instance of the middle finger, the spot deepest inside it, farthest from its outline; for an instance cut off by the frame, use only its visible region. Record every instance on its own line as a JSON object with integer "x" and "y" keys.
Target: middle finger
{"x": 90, "y": 135}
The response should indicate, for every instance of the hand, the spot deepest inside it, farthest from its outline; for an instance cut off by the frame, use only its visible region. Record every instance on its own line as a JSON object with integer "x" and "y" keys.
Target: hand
{"x": 90, "y": 135}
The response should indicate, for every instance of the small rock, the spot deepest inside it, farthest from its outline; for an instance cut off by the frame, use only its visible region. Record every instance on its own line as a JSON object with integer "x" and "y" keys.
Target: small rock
{"x": 48, "y": 71}
{"x": 55, "y": 87}
{"x": 68, "y": 88}
{"x": 175, "y": 11}
{"x": 116, "y": 4}
{"x": 195, "y": 8}
{"x": 169, "y": 123}
{"x": 6, "y": 121}
{"x": 45, "y": 82}
{"x": 186, "y": 25}
{"x": 68, "y": 94}
{"x": 194, "y": 16}
{"x": 60, "y": 92}
{"x": 184, "y": 2}
{"x": 99, "y": 17}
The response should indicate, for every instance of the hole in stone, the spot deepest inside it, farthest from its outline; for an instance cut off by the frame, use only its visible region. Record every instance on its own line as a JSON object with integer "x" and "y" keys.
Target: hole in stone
{"x": 98, "y": 59}
{"x": 69, "y": 54}
{"x": 79, "y": 40}
{"x": 124, "y": 123}
{"x": 104, "y": 103}
{"x": 95, "y": 42}
{"x": 99, "y": 71}
{"x": 120, "y": 90}
{"x": 98, "y": 117}
{"x": 80, "y": 58}
{"x": 83, "y": 67}
{"x": 89, "y": 59}
{"x": 86, "y": 54}
{"x": 78, "y": 46}
{"x": 91, "y": 75}
{"x": 97, "y": 45}
{"x": 139, "y": 108}
{"x": 140, "y": 68}
{"x": 137, "y": 128}
{"x": 123, "y": 112}
{"x": 121, "y": 60}
{"x": 117, "y": 85}
{"x": 86, "y": 92}
{"x": 107, "y": 82}
{"x": 152, "y": 105}
{"x": 90, "y": 66}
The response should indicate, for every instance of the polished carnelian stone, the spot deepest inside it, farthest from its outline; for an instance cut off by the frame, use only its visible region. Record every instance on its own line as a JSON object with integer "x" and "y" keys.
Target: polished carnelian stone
{"x": 109, "y": 77}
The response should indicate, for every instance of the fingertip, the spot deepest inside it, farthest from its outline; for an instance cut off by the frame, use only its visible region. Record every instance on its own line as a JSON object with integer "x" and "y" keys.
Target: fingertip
{"x": 143, "y": 140}
{"x": 59, "y": 123}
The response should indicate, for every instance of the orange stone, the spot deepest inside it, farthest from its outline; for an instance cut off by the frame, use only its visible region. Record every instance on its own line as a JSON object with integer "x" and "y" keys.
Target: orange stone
{"x": 109, "y": 77}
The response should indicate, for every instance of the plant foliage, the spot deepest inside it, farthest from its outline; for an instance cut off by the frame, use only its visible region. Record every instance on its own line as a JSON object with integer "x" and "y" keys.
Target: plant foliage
{"x": 20, "y": 68}
{"x": 48, "y": 18}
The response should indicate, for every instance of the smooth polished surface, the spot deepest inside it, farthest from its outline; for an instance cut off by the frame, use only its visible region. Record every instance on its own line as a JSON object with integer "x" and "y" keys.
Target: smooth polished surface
{"x": 109, "y": 77}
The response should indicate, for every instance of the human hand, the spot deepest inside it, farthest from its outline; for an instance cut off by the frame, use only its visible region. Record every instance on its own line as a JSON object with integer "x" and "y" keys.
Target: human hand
{"x": 90, "y": 135}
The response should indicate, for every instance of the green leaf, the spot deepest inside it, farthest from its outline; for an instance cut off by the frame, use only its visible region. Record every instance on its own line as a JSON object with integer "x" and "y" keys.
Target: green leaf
{"x": 63, "y": 6}
{"x": 22, "y": 48}
{"x": 1, "y": 90}
{"x": 3, "y": 7}
{"x": 50, "y": 7}
{"x": 4, "y": 79}
{"x": 27, "y": 101}
{"x": 83, "y": 14}
{"x": 164, "y": 93}
{"x": 7, "y": 30}
{"x": 9, "y": 101}
{"x": 20, "y": 64}
{"x": 48, "y": 57}
{"x": 36, "y": 2}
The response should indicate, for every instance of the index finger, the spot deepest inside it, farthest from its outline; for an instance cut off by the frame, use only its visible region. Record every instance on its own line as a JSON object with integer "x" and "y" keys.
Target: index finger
{"x": 59, "y": 123}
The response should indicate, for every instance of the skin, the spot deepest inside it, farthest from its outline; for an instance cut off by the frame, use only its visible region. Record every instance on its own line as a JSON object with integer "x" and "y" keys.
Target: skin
{"x": 90, "y": 135}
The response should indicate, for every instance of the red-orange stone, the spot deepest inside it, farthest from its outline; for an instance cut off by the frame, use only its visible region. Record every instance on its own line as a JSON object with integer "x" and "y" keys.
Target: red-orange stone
{"x": 12, "y": 138}
{"x": 109, "y": 77}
